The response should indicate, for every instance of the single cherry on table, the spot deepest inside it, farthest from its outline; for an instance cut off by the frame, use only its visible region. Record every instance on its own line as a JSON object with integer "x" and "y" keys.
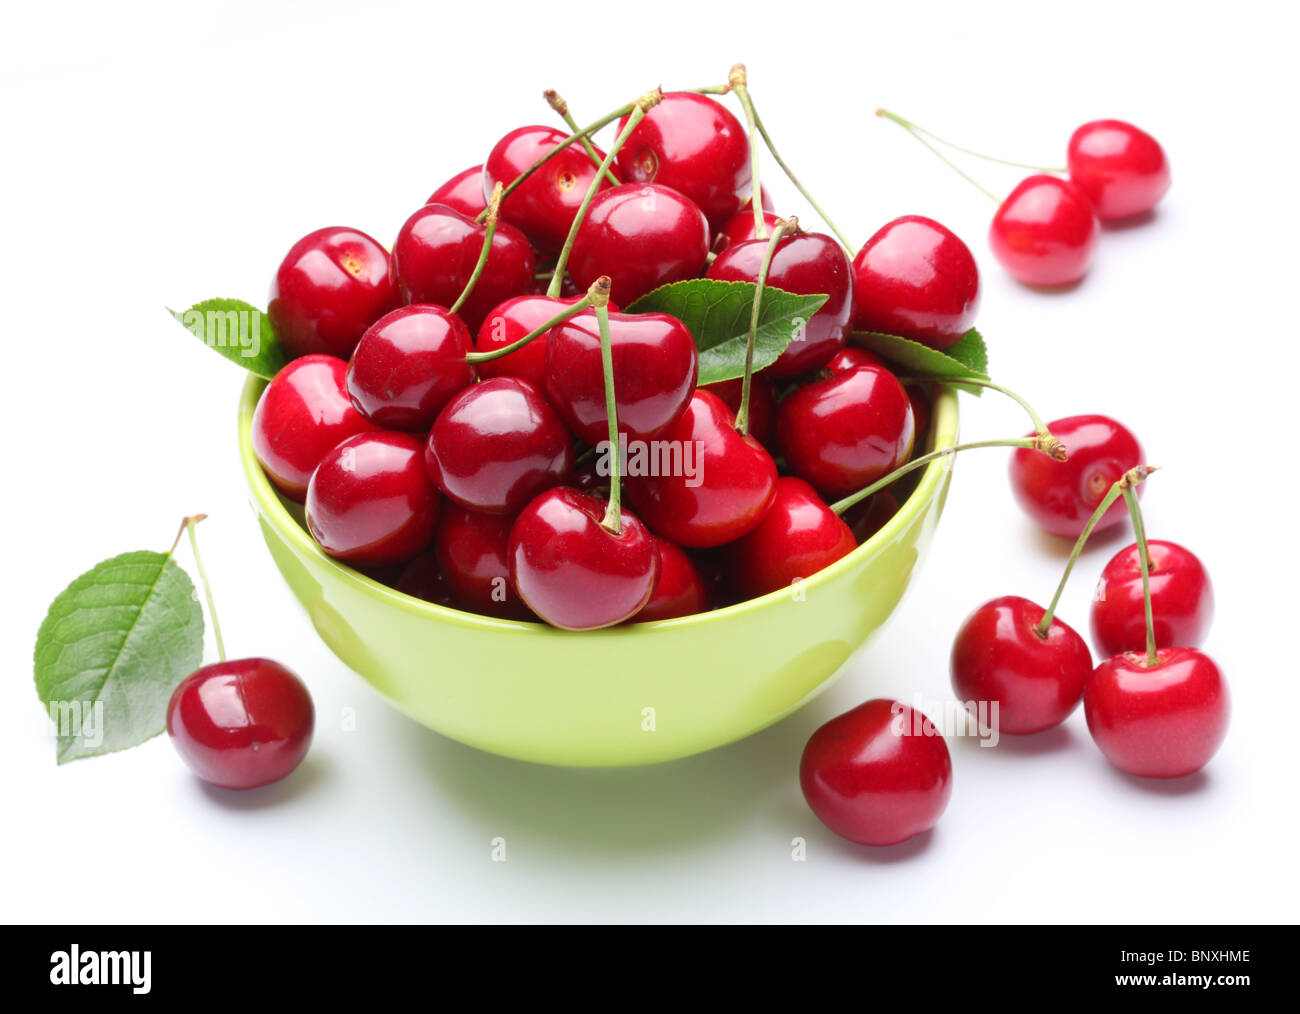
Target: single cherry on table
{"x": 1122, "y": 170}
{"x": 1045, "y": 233}
{"x": 1182, "y": 600}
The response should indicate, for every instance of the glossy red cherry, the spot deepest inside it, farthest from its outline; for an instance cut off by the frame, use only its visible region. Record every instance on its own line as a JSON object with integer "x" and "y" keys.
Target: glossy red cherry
{"x": 847, "y": 431}
{"x": 655, "y": 369}
{"x": 1161, "y": 721}
{"x": 572, "y": 571}
{"x": 1182, "y": 600}
{"x": 808, "y": 264}
{"x": 726, "y": 492}
{"x": 921, "y": 412}
{"x": 798, "y": 536}
{"x": 850, "y": 358}
{"x": 241, "y": 723}
{"x": 917, "y": 279}
{"x": 878, "y": 774}
{"x": 1122, "y": 170}
{"x": 1045, "y": 232}
{"x": 408, "y": 365}
{"x": 679, "y": 590}
{"x": 332, "y": 285}
{"x": 464, "y": 192}
{"x": 435, "y": 254}
{"x": 303, "y": 413}
{"x": 370, "y": 501}
{"x": 1061, "y": 495}
{"x": 762, "y": 404}
{"x": 543, "y": 206}
{"x": 509, "y": 322}
{"x": 470, "y": 548}
{"x": 695, "y": 146}
{"x": 498, "y": 444}
{"x": 642, "y": 236}
{"x": 1036, "y": 680}
{"x": 740, "y": 228}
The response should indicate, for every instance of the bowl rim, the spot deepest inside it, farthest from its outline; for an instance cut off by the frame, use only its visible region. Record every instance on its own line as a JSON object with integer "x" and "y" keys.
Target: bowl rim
{"x": 943, "y": 430}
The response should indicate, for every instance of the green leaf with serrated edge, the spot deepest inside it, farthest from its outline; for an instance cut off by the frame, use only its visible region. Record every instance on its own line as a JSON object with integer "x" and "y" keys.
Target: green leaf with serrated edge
{"x": 718, "y": 314}
{"x": 112, "y": 648}
{"x": 237, "y": 330}
{"x": 917, "y": 360}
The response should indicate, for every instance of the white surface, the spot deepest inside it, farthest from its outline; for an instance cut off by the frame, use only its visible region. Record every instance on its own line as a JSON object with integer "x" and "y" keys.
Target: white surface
{"x": 159, "y": 155}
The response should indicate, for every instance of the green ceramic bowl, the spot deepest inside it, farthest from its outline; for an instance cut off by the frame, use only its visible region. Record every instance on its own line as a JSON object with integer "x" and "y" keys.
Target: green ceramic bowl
{"x": 633, "y": 694}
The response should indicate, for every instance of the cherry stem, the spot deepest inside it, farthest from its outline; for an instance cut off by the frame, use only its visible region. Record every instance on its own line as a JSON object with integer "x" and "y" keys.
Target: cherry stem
{"x": 188, "y": 526}
{"x": 1144, "y": 560}
{"x": 840, "y": 506}
{"x": 493, "y": 211}
{"x": 599, "y": 296}
{"x": 742, "y": 413}
{"x": 741, "y": 88}
{"x": 710, "y": 90}
{"x": 515, "y": 346}
{"x": 915, "y": 132}
{"x": 1122, "y": 485}
{"x": 642, "y": 105}
{"x": 556, "y": 101}
{"x": 916, "y": 129}
{"x": 737, "y": 79}
{"x": 1052, "y": 446}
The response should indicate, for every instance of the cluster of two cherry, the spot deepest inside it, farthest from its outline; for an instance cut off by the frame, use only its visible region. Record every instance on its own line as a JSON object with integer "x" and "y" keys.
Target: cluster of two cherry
{"x": 1045, "y": 231}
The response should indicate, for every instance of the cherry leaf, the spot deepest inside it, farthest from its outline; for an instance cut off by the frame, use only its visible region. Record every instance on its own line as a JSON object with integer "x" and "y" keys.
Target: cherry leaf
{"x": 237, "y": 330}
{"x": 969, "y": 358}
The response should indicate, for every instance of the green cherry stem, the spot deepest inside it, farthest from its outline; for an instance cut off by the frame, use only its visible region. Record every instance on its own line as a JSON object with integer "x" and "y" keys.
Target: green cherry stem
{"x": 747, "y": 103}
{"x": 1123, "y": 485}
{"x": 599, "y": 296}
{"x": 188, "y": 525}
{"x": 782, "y": 227}
{"x": 737, "y": 79}
{"x": 941, "y": 156}
{"x": 915, "y": 129}
{"x": 1052, "y": 446}
{"x": 1144, "y": 559}
{"x": 493, "y": 211}
{"x": 515, "y": 346}
{"x": 642, "y": 105}
{"x": 556, "y": 101}
{"x": 840, "y": 506}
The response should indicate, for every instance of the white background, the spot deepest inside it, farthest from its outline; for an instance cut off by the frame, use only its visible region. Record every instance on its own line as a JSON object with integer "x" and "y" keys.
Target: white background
{"x": 157, "y": 155}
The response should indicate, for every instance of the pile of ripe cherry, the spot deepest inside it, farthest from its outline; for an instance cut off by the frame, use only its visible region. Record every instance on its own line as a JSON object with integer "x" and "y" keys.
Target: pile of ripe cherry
{"x": 445, "y": 402}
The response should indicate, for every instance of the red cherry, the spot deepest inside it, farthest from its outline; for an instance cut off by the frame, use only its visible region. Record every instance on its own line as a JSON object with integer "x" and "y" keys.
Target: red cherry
{"x": 303, "y": 413}
{"x": 1161, "y": 721}
{"x": 642, "y": 236}
{"x": 1036, "y": 680}
{"x": 470, "y": 548}
{"x": 370, "y": 501}
{"x": 762, "y": 404}
{"x": 543, "y": 206}
{"x": 435, "y": 254}
{"x": 407, "y": 365}
{"x": 332, "y": 285}
{"x": 878, "y": 774}
{"x": 679, "y": 589}
{"x": 726, "y": 494}
{"x": 1122, "y": 170}
{"x": 422, "y": 579}
{"x": 464, "y": 192}
{"x": 241, "y": 723}
{"x": 572, "y": 571}
{"x": 1182, "y": 600}
{"x": 866, "y": 517}
{"x": 808, "y": 264}
{"x": 509, "y": 322}
{"x": 920, "y": 408}
{"x": 917, "y": 279}
{"x": 798, "y": 536}
{"x": 740, "y": 228}
{"x": 1045, "y": 233}
{"x": 847, "y": 431}
{"x": 655, "y": 369}
{"x": 1061, "y": 495}
{"x": 850, "y": 358}
{"x": 496, "y": 445}
{"x": 695, "y": 146}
